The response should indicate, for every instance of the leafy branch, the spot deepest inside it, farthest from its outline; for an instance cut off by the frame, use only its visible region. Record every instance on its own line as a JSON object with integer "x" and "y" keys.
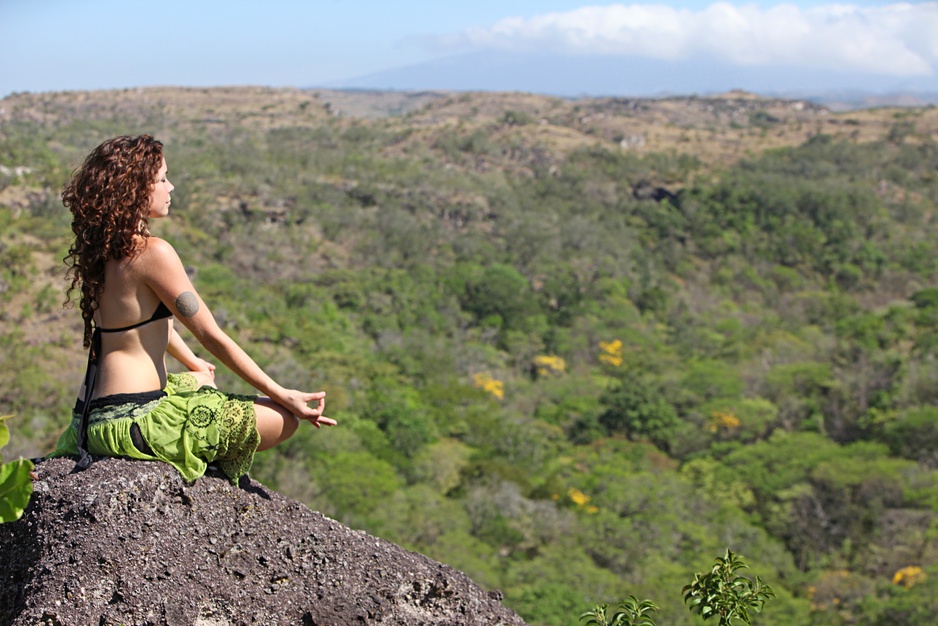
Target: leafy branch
{"x": 16, "y": 484}
{"x": 719, "y": 593}
{"x": 723, "y": 594}
{"x": 631, "y": 613}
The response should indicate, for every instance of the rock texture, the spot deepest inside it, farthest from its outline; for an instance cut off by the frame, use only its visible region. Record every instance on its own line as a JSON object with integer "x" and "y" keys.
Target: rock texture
{"x": 129, "y": 542}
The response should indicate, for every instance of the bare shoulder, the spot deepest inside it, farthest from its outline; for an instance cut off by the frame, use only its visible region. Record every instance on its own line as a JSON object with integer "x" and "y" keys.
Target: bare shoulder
{"x": 158, "y": 246}
{"x": 157, "y": 260}
{"x": 158, "y": 251}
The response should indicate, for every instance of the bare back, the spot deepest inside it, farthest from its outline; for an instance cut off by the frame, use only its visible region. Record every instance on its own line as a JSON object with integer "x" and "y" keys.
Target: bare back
{"x": 131, "y": 361}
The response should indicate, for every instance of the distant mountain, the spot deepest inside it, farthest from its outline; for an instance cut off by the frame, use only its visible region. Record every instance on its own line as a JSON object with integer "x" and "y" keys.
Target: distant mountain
{"x": 857, "y": 99}
{"x": 572, "y": 76}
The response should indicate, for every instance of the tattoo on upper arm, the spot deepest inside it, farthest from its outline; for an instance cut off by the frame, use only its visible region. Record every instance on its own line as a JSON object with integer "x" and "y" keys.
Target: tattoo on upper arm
{"x": 187, "y": 303}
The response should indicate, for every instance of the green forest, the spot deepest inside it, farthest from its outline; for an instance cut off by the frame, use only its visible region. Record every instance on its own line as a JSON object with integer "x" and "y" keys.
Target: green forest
{"x": 573, "y": 369}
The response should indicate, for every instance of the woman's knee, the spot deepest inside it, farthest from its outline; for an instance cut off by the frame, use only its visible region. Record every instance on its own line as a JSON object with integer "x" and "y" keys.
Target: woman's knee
{"x": 274, "y": 423}
{"x": 290, "y": 424}
{"x": 204, "y": 378}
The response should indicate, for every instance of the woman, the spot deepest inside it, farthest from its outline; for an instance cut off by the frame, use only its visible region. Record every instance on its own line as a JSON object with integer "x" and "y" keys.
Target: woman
{"x": 132, "y": 285}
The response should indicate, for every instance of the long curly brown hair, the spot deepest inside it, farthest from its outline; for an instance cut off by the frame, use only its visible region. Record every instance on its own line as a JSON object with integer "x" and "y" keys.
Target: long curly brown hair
{"x": 109, "y": 197}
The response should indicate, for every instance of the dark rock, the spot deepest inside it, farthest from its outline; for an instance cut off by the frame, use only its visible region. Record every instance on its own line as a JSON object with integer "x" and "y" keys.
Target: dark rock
{"x": 646, "y": 191}
{"x": 129, "y": 542}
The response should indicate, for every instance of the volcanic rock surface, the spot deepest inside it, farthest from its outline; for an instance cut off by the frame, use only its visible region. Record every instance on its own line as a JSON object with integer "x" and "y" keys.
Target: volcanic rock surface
{"x": 130, "y": 542}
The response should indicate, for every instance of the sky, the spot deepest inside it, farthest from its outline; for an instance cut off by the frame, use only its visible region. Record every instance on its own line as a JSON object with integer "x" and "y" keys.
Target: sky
{"x": 60, "y": 45}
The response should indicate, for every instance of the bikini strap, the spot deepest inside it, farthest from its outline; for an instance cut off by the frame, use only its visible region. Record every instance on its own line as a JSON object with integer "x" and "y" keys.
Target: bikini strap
{"x": 91, "y": 375}
{"x": 162, "y": 311}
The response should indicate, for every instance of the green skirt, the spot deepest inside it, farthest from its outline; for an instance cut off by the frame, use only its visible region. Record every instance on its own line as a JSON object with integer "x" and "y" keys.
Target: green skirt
{"x": 185, "y": 426}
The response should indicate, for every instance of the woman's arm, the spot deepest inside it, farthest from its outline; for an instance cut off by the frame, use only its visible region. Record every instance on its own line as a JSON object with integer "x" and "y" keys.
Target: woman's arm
{"x": 164, "y": 273}
{"x": 178, "y": 349}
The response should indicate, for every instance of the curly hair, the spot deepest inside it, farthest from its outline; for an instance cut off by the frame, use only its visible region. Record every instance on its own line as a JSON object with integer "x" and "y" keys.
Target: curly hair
{"x": 109, "y": 197}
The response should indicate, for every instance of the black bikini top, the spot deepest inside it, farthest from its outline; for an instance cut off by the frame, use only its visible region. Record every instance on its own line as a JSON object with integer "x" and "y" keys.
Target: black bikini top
{"x": 91, "y": 373}
{"x": 162, "y": 312}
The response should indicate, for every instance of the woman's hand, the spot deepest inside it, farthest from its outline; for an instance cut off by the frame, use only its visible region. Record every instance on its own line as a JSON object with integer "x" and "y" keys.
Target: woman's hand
{"x": 298, "y": 403}
{"x": 203, "y": 371}
{"x": 201, "y": 365}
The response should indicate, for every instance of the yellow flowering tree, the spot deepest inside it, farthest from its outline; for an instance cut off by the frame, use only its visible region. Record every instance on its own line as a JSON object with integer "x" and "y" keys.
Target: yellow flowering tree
{"x": 724, "y": 423}
{"x": 581, "y": 500}
{"x": 548, "y": 365}
{"x": 485, "y": 382}
{"x": 909, "y": 576}
{"x": 610, "y": 352}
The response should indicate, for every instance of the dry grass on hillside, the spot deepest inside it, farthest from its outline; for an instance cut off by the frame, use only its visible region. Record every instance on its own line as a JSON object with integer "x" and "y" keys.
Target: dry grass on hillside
{"x": 718, "y": 130}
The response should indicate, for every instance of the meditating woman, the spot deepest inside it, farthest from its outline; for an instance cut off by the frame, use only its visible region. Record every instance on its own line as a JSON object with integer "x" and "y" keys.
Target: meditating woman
{"x": 131, "y": 287}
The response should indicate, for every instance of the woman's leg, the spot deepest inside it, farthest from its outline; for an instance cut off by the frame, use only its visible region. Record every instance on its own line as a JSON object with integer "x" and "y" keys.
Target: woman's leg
{"x": 274, "y": 423}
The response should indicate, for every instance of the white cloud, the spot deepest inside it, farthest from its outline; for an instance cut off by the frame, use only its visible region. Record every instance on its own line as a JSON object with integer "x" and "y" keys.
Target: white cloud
{"x": 898, "y": 39}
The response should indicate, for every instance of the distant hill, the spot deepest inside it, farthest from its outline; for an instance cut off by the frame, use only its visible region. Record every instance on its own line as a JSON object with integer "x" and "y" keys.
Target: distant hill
{"x": 861, "y": 100}
{"x": 597, "y": 75}
{"x": 716, "y": 128}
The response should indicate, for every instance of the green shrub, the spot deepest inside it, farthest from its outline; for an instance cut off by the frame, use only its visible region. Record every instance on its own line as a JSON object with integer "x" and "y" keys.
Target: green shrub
{"x": 721, "y": 593}
{"x": 630, "y": 612}
{"x": 16, "y": 484}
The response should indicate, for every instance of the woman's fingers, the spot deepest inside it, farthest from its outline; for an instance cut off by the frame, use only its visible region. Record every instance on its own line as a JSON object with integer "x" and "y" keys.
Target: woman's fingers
{"x": 318, "y": 400}
{"x": 313, "y": 414}
{"x": 320, "y": 420}
{"x": 323, "y": 421}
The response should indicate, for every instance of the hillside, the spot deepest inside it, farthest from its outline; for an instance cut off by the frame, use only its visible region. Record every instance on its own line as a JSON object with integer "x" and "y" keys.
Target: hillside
{"x": 717, "y": 130}
{"x": 577, "y": 348}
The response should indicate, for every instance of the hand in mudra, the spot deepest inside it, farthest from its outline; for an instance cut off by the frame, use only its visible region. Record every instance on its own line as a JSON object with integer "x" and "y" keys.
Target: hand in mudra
{"x": 309, "y": 407}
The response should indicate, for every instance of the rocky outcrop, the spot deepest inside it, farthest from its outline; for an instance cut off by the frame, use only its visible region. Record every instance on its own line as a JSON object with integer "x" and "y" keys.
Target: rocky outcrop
{"x": 129, "y": 542}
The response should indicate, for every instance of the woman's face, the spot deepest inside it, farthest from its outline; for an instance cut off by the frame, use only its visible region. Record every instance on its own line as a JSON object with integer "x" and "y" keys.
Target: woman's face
{"x": 159, "y": 197}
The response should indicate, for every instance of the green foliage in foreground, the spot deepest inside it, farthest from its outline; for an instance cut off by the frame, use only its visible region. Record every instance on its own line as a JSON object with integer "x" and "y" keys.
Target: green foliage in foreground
{"x": 723, "y": 594}
{"x": 719, "y": 593}
{"x": 630, "y": 612}
{"x": 16, "y": 485}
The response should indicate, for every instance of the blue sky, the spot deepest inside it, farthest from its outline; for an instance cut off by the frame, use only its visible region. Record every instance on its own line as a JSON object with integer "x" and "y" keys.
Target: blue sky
{"x": 54, "y": 45}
